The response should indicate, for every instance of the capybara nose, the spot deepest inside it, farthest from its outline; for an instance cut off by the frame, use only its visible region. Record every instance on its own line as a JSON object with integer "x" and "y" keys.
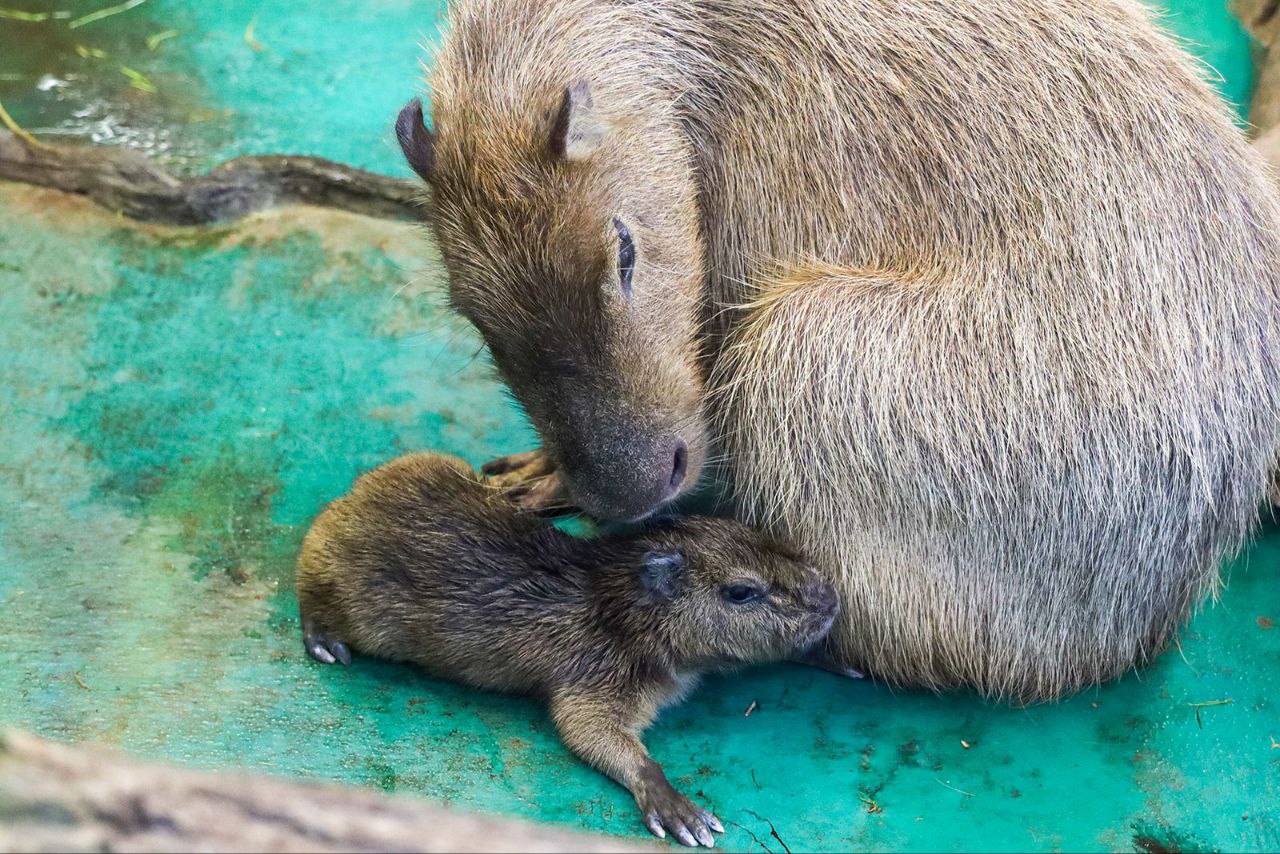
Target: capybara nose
{"x": 681, "y": 466}
{"x": 629, "y": 480}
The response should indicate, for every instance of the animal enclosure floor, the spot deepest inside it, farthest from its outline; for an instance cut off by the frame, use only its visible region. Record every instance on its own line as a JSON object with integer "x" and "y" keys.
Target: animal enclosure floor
{"x": 176, "y": 404}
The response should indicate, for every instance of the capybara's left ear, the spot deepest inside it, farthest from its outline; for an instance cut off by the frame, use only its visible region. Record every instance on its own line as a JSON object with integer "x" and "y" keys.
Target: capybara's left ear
{"x": 660, "y": 572}
{"x": 577, "y": 131}
{"x": 417, "y": 143}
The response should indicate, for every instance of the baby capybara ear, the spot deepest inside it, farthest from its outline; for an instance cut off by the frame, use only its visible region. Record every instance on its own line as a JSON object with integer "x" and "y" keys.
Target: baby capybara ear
{"x": 660, "y": 572}
{"x": 417, "y": 143}
{"x": 577, "y": 130}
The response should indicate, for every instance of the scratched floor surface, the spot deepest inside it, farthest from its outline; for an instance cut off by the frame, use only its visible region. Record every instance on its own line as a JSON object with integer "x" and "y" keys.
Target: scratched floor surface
{"x": 176, "y": 404}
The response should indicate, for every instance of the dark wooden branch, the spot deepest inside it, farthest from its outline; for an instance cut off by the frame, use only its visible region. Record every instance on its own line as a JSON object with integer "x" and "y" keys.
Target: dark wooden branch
{"x": 59, "y": 798}
{"x": 128, "y": 182}
{"x": 1262, "y": 19}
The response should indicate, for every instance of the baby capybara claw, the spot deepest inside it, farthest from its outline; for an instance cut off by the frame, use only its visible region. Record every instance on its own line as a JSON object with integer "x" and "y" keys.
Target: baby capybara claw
{"x": 325, "y": 650}
{"x": 518, "y": 467}
{"x": 531, "y": 481}
{"x": 545, "y": 496}
{"x": 666, "y": 811}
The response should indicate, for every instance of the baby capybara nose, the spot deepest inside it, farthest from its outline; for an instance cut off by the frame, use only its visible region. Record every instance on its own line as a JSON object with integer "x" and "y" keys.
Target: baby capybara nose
{"x": 820, "y": 598}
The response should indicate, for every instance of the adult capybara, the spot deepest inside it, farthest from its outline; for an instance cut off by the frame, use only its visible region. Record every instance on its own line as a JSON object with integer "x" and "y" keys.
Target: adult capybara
{"x": 976, "y": 301}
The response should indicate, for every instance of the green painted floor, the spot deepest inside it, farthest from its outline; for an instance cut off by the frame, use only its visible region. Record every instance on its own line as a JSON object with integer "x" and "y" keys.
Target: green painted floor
{"x": 176, "y": 404}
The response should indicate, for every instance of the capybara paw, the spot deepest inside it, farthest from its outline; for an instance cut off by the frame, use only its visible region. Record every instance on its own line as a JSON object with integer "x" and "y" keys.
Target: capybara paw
{"x": 545, "y": 496}
{"x": 667, "y": 811}
{"x": 326, "y": 650}
{"x": 531, "y": 481}
{"x": 510, "y": 470}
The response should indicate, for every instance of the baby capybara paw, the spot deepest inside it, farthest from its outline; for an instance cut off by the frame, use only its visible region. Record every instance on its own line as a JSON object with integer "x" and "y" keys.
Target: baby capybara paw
{"x": 667, "y": 811}
{"x": 511, "y": 469}
{"x": 531, "y": 480}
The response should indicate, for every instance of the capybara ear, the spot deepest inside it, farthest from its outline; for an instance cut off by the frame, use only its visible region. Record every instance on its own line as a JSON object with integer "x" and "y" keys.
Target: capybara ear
{"x": 577, "y": 130}
{"x": 660, "y": 572}
{"x": 417, "y": 143}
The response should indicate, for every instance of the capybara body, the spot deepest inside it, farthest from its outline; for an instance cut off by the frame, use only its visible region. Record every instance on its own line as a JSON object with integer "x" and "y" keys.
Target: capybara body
{"x": 424, "y": 563}
{"x": 976, "y": 301}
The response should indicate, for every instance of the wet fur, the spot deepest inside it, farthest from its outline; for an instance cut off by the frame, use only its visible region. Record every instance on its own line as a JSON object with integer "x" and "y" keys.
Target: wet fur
{"x": 978, "y": 301}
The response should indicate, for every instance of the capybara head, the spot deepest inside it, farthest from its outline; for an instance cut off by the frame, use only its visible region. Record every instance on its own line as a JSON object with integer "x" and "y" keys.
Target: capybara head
{"x": 572, "y": 243}
{"x": 728, "y": 595}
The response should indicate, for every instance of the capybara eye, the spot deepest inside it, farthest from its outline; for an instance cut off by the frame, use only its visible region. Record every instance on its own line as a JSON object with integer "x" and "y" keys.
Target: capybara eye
{"x": 626, "y": 257}
{"x": 741, "y": 594}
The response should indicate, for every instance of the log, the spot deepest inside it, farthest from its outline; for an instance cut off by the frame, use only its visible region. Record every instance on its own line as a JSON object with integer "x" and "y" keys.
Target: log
{"x": 1262, "y": 20}
{"x": 56, "y": 797}
{"x": 1260, "y": 17}
{"x": 139, "y": 188}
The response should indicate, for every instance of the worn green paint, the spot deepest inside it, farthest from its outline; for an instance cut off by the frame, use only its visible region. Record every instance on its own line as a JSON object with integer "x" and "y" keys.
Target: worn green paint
{"x": 176, "y": 404}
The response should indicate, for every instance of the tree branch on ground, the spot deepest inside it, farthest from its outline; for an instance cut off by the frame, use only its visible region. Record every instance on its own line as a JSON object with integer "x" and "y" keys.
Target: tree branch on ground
{"x": 141, "y": 189}
{"x": 55, "y": 797}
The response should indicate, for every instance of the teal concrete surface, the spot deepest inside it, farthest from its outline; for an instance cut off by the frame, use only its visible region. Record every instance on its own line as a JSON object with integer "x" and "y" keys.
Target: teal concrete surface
{"x": 176, "y": 404}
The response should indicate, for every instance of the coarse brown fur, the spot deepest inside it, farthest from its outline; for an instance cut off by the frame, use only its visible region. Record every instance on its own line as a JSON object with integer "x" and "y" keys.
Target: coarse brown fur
{"x": 977, "y": 301}
{"x": 422, "y": 562}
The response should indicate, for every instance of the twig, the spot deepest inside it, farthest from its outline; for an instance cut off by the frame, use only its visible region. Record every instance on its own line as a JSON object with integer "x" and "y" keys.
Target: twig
{"x": 104, "y": 13}
{"x": 870, "y": 803}
{"x": 154, "y": 40}
{"x": 135, "y": 186}
{"x": 18, "y": 131}
{"x": 953, "y": 788}
{"x": 1205, "y": 705}
{"x": 752, "y": 835}
{"x": 138, "y": 80}
{"x": 27, "y": 17}
{"x": 79, "y": 681}
{"x": 773, "y": 831}
{"x": 757, "y": 782}
{"x": 249, "y": 39}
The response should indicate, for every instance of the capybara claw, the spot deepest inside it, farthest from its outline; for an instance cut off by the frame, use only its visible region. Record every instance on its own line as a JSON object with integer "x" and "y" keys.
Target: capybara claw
{"x": 325, "y": 650}
{"x": 667, "y": 811}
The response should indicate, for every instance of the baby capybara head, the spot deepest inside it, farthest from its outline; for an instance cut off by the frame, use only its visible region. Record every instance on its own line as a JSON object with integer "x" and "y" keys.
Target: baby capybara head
{"x": 729, "y": 595}
{"x": 571, "y": 242}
